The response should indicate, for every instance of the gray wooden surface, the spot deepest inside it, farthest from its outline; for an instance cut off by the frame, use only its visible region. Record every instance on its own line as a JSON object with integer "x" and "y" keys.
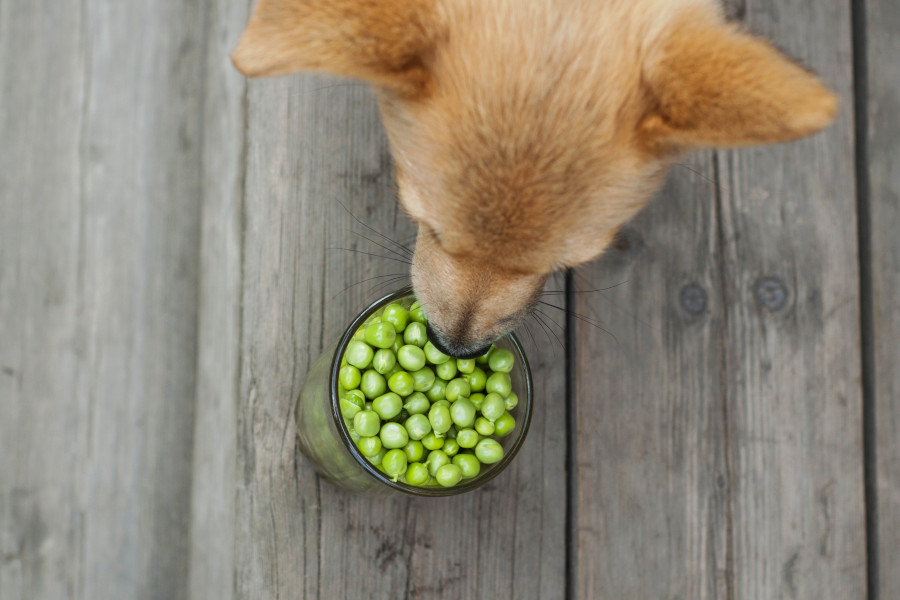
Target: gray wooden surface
{"x": 167, "y": 276}
{"x": 882, "y": 26}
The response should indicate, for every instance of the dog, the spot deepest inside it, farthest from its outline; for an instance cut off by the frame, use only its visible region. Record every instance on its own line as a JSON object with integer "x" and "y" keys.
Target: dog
{"x": 526, "y": 132}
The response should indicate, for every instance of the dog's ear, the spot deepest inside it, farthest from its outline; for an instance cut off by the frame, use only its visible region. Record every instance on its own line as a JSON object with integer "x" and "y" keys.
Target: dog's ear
{"x": 711, "y": 84}
{"x": 382, "y": 41}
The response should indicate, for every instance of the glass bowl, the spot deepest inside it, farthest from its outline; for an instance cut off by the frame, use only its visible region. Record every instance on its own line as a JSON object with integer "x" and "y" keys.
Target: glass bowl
{"x": 326, "y": 442}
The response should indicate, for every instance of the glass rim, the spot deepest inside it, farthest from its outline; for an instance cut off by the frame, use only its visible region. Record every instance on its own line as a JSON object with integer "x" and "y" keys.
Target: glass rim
{"x": 371, "y": 469}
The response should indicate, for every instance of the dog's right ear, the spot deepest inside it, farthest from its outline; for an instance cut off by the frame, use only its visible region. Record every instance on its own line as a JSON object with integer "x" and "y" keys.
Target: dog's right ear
{"x": 385, "y": 42}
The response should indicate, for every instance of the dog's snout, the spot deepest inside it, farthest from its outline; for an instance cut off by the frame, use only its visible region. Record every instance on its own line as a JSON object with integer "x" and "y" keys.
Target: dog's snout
{"x": 456, "y": 348}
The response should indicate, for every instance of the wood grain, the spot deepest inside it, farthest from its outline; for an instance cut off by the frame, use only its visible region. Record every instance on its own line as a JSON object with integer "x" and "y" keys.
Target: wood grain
{"x": 719, "y": 453}
{"x": 98, "y": 289}
{"x": 884, "y": 176}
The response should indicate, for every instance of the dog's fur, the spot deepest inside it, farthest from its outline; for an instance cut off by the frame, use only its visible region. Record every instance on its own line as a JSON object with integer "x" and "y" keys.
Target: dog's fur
{"x": 526, "y": 132}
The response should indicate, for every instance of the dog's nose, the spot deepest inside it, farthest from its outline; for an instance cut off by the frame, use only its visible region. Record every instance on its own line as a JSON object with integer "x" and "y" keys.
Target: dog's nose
{"x": 455, "y": 348}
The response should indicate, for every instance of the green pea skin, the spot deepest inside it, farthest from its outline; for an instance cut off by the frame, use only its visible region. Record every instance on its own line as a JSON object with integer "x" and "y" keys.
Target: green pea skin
{"x": 443, "y": 402}
{"x": 414, "y": 451}
{"x": 417, "y": 403}
{"x": 434, "y": 356}
{"x": 384, "y": 361}
{"x": 465, "y": 365}
{"x": 448, "y": 475}
{"x": 372, "y": 384}
{"x": 432, "y": 442}
{"x": 348, "y": 409}
{"x": 493, "y": 407}
{"x": 438, "y": 390}
{"x": 477, "y": 379}
{"x": 417, "y": 474}
{"x": 476, "y": 400}
{"x": 450, "y": 447}
{"x": 366, "y": 423}
{"x": 360, "y": 335}
{"x": 467, "y": 438}
{"x": 355, "y": 436}
{"x": 376, "y": 460}
{"x": 359, "y": 354}
{"x": 489, "y": 451}
{"x": 436, "y": 460}
{"x": 423, "y": 379}
{"x": 504, "y": 425}
{"x": 356, "y": 397}
{"x": 457, "y": 388}
{"x": 468, "y": 464}
{"x": 439, "y": 416}
{"x": 483, "y": 426}
{"x": 416, "y": 334}
{"x": 387, "y": 405}
{"x": 499, "y": 383}
{"x": 396, "y": 315}
{"x": 411, "y": 358}
{"x": 349, "y": 377}
{"x": 463, "y": 413}
{"x": 402, "y": 383}
{"x": 417, "y": 427}
{"x": 417, "y": 313}
{"x": 369, "y": 446}
{"x": 381, "y": 335}
{"x": 446, "y": 371}
{"x": 393, "y": 435}
{"x": 501, "y": 360}
{"x": 512, "y": 401}
{"x": 483, "y": 359}
{"x": 394, "y": 463}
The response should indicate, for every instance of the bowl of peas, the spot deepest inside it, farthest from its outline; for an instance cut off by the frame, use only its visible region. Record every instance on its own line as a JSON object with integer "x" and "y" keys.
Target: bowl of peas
{"x": 384, "y": 412}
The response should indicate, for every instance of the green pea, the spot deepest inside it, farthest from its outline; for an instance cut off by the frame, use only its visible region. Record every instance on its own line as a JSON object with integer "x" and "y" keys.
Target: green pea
{"x": 450, "y": 447}
{"x": 411, "y": 358}
{"x": 366, "y": 423}
{"x": 417, "y": 404}
{"x": 393, "y": 435}
{"x": 501, "y": 360}
{"x": 483, "y": 426}
{"x": 356, "y": 397}
{"x": 381, "y": 335}
{"x": 414, "y": 451}
{"x": 458, "y": 388}
{"x": 416, "y": 334}
{"x": 396, "y": 315}
{"x": 436, "y": 460}
{"x": 387, "y": 406}
{"x": 384, "y": 361}
{"x": 467, "y": 438}
{"x": 434, "y": 356}
{"x": 465, "y": 365}
{"x": 468, "y": 464}
{"x": 417, "y": 426}
{"x": 394, "y": 463}
{"x": 355, "y": 436}
{"x": 504, "y": 425}
{"x": 348, "y": 409}
{"x": 369, "y": 446}
{"x": 349, "y": 377}
{"x": 448, "y": 475}
{"x": 437, "y": 391}
{"x": 477, "y": 379}
{"x": 493, "y": 407}
{"x": 463, "y": 413}
{"x": 439, "y": 416}
{"x": 432, "y": 442}
{"x": 359, "y": 354}
{"x": 451, "y": 433}
{"x": 489, "y": 451}
{"x": 512, "y": 401}
{"x": 499, "y": 383}
{"x": 483, "y": 359}
{"x": 476, "y": 400}
{"x": 447, "y": 370}
{"x": 417, "y": 313}
{"x": 417, "y": 474}
{"x": 442, "y": 402}
{"x": 423, "y": 379}
{"x": 398, "y": 343}
{"x": 402, "y": 383}
{"x": 376, "y": 460}
{"x": 372, "y": 384}
{"x": 360, "y": 335}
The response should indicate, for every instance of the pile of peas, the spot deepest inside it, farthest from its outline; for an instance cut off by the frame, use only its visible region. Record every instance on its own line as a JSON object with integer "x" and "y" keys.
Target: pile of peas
{"x": 418, "y": 415}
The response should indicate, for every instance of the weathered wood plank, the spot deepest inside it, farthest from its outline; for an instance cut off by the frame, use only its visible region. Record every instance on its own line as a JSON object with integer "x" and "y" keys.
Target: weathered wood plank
{"x": 882, "y": 26}
{"x": 313, "y": 142}
{"x": 719, "y": 453}
{"x": 100, "y": 218}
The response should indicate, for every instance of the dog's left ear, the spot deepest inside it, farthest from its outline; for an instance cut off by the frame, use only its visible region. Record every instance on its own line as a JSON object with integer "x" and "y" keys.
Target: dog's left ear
{"x": 382, "y": 41}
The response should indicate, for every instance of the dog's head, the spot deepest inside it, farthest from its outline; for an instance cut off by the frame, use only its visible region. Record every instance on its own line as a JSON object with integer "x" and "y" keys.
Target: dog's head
{"x": 526, "y": 133}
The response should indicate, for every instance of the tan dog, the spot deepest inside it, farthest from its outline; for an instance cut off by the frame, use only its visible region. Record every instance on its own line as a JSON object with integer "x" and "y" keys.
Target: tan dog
{"x": 526, "y": 132}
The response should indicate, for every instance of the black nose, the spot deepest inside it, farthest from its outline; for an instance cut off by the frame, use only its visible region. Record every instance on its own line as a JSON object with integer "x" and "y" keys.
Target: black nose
{"x": 453, "y": 348}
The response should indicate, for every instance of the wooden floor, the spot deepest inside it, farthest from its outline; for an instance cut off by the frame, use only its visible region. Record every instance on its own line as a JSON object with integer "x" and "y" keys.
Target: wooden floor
{"x": 168, "y": 271}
